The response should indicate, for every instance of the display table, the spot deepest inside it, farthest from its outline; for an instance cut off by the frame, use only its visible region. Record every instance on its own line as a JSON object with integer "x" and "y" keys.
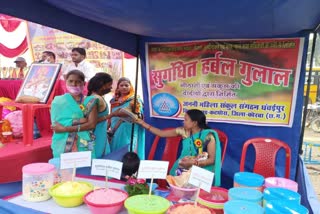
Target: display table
{"x": 51, "y": 207}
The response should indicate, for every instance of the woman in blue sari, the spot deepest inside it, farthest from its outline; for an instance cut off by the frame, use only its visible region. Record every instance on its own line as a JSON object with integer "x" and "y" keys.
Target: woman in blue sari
{"x": 73, "y": 118}
{"x": 98, "y": 86}
{"x": 120, "y": 129}
{"x": 197, "y": 140}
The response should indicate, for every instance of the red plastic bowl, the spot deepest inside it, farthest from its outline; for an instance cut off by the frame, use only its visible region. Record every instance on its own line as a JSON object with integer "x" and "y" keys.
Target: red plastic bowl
{"x": 210, "y": 200}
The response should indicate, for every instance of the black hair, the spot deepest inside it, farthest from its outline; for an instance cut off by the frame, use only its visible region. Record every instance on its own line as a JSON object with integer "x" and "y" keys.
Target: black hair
{"x": 81, "y": 51}
{"x": 76, "y": 72}
{"x": 98, "y": 81}
{"x": 199, "y": 117}
{"x": 131, "y": 162}
{"x": 50, "y": 53}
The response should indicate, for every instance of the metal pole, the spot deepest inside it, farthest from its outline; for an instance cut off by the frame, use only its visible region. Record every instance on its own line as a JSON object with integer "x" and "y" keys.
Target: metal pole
{"x": 307, "y": 92}
{"x": 306, "y": 102}
{"x": 135, "y": 92}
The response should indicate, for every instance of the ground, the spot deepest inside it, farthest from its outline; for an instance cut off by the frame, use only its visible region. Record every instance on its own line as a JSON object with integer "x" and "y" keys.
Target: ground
{"x": 313, "y": 169}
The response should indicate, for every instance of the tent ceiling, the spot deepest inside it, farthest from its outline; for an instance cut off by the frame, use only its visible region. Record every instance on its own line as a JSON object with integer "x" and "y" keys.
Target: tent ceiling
{"x": 116, "y": 22}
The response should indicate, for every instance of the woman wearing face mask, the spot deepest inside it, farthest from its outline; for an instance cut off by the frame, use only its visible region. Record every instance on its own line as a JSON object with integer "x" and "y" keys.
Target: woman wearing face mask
{"x": 73, "y": 118}
{"x": 121, "y": 129}
{"x": 98, "y": 86}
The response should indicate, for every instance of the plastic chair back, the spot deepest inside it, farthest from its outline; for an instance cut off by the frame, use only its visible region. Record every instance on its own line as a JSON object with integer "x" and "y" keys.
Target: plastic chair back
{"x": 223, "y": 141}
{"x": 266, "y": 150}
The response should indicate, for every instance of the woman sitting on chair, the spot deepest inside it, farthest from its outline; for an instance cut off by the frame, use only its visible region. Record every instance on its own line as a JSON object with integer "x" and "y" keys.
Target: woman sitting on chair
{"x": 73, "y": 118}
{"x": 200, "y": 144}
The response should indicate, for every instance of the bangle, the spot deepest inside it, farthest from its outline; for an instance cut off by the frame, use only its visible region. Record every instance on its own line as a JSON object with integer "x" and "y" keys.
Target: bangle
{"x": 79, "y": 126}
{"x": 197, "y": 163}
{"x": 149, "y": 127}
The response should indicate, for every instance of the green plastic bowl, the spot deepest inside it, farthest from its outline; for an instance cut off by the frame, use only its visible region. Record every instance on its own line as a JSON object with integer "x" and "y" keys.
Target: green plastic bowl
{"x": 145, "y": 204}
{"x": 69, "y": 200}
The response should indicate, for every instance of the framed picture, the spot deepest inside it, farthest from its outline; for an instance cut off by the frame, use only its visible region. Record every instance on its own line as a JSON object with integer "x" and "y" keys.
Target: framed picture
{"x": 39, "y": 81}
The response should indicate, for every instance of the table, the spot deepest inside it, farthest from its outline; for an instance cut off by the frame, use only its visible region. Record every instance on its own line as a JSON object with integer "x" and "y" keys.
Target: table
{"x": 51, "y": 207}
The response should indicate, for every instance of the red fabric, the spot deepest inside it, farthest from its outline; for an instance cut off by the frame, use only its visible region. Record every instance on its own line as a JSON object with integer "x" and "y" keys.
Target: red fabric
{"x": 10, "y": 89}
{"x": 128, "y": 56}
{"x": 9, "y": 23}
{"x": 13, "y": 156}
{"x": 10, "y": 53}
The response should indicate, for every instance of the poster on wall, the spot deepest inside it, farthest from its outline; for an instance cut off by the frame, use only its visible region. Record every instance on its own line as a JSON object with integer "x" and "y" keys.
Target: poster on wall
{"x": 251, "y": 82}
{"x": 104, "y": 58}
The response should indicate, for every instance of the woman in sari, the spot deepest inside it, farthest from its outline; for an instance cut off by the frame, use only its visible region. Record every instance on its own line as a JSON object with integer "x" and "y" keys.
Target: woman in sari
{"x": 98, "y": 86}
{"x": 198, "y": 141}
{"x": 120, "y": 129}
{"x": 73, "y": 118}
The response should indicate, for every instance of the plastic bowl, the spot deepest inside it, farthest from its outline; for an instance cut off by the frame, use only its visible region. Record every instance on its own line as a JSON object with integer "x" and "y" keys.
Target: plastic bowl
{"x": 172, "y": 208}
{"x": 111, "y": 208}
{"x": 145, "y": 204}
{"x": 69, "y": 200}
{"x": 185, "y": 193}
{"x": 281, "y": 182}
{"x": 215, "y": 199}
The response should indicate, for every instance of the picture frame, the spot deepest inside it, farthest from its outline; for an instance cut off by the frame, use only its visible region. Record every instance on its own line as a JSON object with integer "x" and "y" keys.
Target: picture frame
{"x": 39, "y": 81}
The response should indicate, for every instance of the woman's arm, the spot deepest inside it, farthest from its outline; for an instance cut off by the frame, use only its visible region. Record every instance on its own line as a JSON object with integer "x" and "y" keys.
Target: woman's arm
{"x": 156, "y": 131}
{"x": 211, "y": 149}
{"x": 89, "y": 125}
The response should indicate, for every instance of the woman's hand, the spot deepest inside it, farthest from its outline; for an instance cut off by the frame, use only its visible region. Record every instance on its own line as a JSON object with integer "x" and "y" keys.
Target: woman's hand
{"x": 115, "y": 113}
{"x": 57, "y": 127}
{"x": 187, "y": 162}
{"x": 139, "y": 121}
{"x": 83, "y": 120}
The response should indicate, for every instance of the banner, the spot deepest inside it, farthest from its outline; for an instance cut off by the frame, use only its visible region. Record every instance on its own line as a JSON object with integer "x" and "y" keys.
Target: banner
{"x": 104, "y": 58}
{"x": 250, "y": 82}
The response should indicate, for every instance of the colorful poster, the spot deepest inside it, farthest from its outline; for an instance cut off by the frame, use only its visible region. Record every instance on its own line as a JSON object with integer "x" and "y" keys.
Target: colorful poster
{"x": 250, "y": 82}
{"x": 104, "y": 58}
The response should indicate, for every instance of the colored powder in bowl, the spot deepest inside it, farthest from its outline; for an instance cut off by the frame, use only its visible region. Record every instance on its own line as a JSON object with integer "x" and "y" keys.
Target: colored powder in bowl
{"x": 103, "y": 196}
{"x": 144, "y": 203}
{"x": 189, "y": 209}
{"x": 71, "y": 188}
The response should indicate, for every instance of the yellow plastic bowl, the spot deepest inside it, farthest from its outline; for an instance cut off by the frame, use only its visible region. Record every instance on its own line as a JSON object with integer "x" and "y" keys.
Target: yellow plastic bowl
{"x": 69, "y": 200}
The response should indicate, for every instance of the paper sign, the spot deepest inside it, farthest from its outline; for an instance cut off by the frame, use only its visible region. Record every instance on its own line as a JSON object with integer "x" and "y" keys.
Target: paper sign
{"x": 114, "y": 168}
{"x": 75, "y": 159}
{"x": 153, "y": 169}
{"x": 202, "y": 178}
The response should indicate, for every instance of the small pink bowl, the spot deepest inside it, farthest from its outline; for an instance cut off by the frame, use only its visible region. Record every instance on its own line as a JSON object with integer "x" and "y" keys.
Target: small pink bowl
{"x": 281, "y": 182}
{"x": 112, "y": 208}
{"x": 185, "y": 193}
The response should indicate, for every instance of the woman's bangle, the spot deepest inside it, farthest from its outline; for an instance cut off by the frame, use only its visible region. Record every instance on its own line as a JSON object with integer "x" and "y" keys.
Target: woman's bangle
{"x": 196, "y": 163}
{"x": 79, "y": 126}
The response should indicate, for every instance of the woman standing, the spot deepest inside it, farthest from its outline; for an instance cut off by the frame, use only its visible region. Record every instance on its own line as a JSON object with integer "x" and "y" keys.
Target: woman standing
{"x": 200, "y": 144}
{"x": 98, "y": 86}
{"x": 121, "y": 129}
{"x": 73, "y": 118}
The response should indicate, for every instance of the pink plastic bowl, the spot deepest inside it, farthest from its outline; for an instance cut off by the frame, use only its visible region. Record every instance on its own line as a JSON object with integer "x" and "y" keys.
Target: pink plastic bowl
{"x": 281, "y": 182}
{"x": 172, "y": 208}
{"x": 185, "y": 193}
{"x": 113, "y": 208}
